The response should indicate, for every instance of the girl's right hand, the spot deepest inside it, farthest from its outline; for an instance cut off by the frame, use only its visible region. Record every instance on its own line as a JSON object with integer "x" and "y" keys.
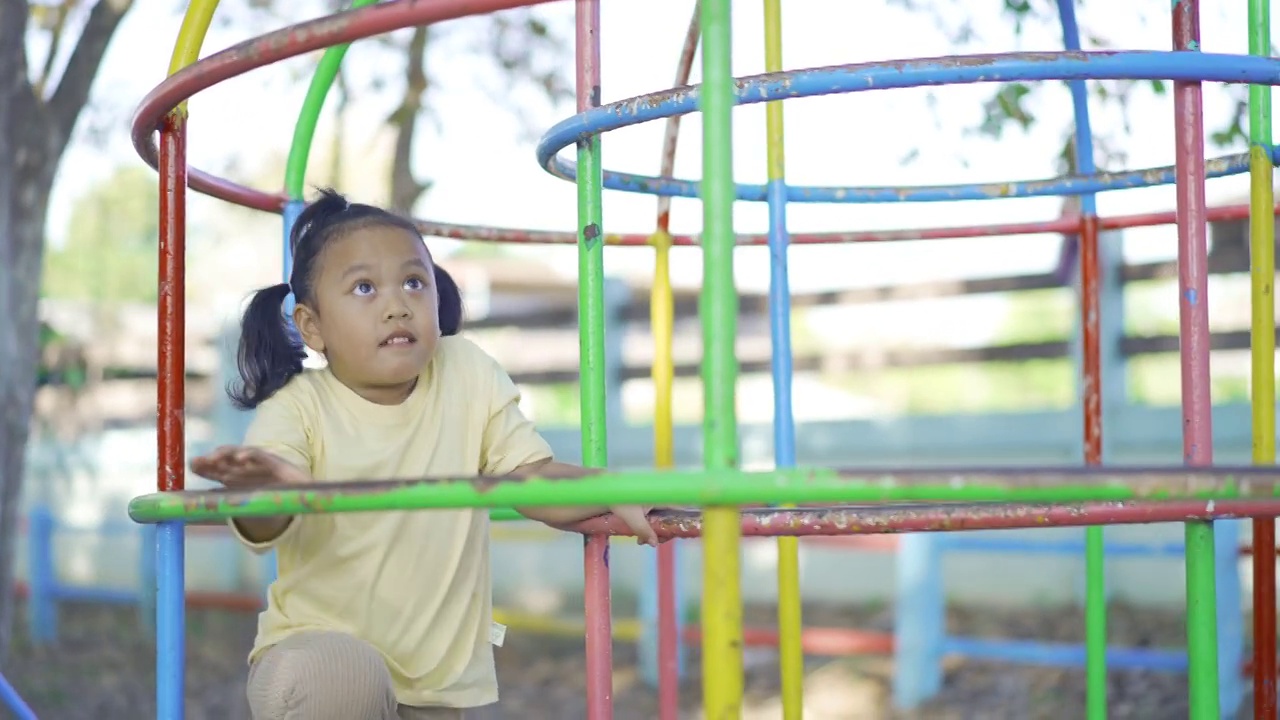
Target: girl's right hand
{"x": 246, "y": 467}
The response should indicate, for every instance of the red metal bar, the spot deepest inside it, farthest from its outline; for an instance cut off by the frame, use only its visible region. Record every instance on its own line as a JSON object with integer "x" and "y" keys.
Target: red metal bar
{"x": 668, "y": 636}
{"x": 888, "y": 519}
{"x": 1193, "y": 268}
{"x": 384, "y": 17}
{"x": 1264, "y": 665}
{"x": 599, "y": 627}
{"x": 1090, "y": 302}
{"x": 291, "y": 41}
{"x": 1068, "y": 224}
{"x": 170, "y": 378}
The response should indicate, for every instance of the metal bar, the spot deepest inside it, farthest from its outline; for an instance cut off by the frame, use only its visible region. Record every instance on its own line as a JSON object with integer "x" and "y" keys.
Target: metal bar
{"x": 884, "y": 519}
{"x": 895, "y": 74}
{"x": 720, "y": 487}
{"x": 1193, "y": 306}
{"x": 722, "y": 669}
{"x": 662, "y": 322}
{"x": 1262, "y": 273}
{"x": 1090, "y": 324}
{"x": 790, "y": 616}
{"x": 591, "y": 343}
{"x": 481, "y": 233}
{"x": 170, "y": 399}
{"x": 304, "y": 129}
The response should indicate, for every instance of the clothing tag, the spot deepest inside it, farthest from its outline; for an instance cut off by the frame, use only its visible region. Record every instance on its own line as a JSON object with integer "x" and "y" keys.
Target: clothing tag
{"x": 497, "y": 634}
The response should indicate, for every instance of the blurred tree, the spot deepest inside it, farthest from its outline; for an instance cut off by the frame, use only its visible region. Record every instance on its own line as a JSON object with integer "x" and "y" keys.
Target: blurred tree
{"x": 50, "y": 53}
{"x": 110, "y": 253}
{"x": 1009, "y": 106}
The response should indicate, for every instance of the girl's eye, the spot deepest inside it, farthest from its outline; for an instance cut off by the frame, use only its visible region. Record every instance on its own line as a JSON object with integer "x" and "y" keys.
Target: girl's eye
{"x": 414, "y": 283}
{"x": 363, "y": 288}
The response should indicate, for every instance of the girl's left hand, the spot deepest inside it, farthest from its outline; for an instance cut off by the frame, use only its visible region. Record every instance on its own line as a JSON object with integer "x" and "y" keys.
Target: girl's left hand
{"x": 636, "y": 518}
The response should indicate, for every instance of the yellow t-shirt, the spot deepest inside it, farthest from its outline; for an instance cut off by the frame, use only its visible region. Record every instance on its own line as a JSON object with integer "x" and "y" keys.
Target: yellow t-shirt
{"x": 414, "y": 584}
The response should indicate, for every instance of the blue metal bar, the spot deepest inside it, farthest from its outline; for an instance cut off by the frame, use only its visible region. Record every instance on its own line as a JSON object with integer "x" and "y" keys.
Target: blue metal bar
{"x": 1062, "y": 654}
{"x": 1205, "y": 67}
{"x": 10, "y": 698}
{"x": 1057, "y": 547}
{"x": 170, "y": 610}
{"x": 106, "y": 596}
{"x": 292, "y": 209}
{"x": 784, "y": 424}
{"x": 42, "y": 581}
{"x": 919, "y": 621}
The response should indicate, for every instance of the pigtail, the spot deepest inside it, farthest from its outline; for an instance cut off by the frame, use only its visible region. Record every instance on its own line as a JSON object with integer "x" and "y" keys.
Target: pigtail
{"x": 450, "y": 302}
{"x": 270, "y": 355}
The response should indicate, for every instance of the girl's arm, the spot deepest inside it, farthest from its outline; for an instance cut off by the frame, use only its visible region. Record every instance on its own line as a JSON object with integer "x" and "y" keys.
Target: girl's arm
{"x": 634, "y": 516}
{"x": 550, "y": 468}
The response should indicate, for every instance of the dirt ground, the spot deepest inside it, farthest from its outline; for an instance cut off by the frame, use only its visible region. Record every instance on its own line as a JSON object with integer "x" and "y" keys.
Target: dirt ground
{"x": 103, "y": 669}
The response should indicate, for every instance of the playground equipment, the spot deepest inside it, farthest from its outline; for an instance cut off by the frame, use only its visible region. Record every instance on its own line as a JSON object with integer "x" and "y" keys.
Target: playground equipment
{"x": 1195, "y": 494}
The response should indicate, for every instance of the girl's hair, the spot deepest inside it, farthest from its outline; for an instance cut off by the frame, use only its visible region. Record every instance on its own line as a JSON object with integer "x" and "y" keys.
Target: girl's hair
{"x": 271, "y": 350}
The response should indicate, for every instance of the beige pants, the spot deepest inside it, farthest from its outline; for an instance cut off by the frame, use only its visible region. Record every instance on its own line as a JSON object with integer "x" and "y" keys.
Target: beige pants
{"x": 328, "y": 676}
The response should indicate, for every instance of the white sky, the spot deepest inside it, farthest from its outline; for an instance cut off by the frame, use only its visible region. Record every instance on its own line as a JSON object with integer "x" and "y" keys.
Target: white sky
{"x": 485, "y": 173}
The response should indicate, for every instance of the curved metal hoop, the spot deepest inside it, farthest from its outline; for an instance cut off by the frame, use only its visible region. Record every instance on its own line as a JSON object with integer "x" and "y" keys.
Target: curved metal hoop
{"x": 272, "y": 47}
{"x": 964, "y": 69}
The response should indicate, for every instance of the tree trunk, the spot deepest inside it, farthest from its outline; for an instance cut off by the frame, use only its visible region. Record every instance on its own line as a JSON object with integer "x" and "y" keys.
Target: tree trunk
{"x": 34, "y": 131}
{"x": 26, "y": 178}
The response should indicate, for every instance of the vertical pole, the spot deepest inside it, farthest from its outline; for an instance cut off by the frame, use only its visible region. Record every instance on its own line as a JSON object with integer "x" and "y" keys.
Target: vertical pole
{"x": 42, "y": 584}
{"x": 1262, "y": 271}
{"x": 662, "y": 322}
{"x": 718, "y": 308}
{"x": 170, "y": 408}
{"x": 1197, "y": 421}
{"x": 591, "y": 330}
{"x": 1091, "y": 329}
{"x": 790, "y": 618}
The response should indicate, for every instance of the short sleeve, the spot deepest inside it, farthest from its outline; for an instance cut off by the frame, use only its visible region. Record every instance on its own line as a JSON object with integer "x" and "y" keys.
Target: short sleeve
{"x": 279, "y": 427}
{"x": 510, "y": 439}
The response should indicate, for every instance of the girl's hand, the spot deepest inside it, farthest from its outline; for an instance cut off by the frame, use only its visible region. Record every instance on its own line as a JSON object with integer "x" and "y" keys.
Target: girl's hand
{"x": 244, "y": 467}
{"x": 636, "y": 518}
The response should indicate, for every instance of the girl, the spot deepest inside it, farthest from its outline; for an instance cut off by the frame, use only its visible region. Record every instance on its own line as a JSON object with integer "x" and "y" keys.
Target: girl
{"x": 375, "y": 616}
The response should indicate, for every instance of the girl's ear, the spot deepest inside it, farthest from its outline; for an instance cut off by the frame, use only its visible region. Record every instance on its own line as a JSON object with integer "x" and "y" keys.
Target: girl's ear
{"x": 304, "y": 318}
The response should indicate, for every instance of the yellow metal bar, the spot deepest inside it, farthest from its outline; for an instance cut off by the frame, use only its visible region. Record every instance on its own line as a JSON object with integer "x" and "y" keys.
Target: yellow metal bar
{"x": 186, "y": 50}
{"x": 661, "y": 318}
{"x": 773, "y": 63}
{"x": 1262, "y": 275}
{"x": 624, "y": 629}
{"x": 790, "y": 616}
{"x": 721, "y": 614}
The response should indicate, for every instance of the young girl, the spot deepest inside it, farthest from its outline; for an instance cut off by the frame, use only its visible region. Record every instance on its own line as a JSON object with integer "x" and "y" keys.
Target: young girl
{"x": 375, "y": 616}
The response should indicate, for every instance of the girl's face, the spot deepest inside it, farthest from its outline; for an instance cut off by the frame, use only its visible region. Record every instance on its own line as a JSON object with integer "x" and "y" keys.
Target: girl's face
{"x": 374, "y": 311}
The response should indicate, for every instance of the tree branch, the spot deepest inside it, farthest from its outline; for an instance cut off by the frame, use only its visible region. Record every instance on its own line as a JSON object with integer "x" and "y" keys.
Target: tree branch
{"x": 405, "y": 188}
{"x": 15, "y": 89}
{"x": 73, "y": 89}
{"x": 56, "y": 35}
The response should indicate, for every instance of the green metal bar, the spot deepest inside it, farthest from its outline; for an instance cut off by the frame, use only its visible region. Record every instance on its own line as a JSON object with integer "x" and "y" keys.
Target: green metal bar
{"x": 1095, "y": 624}
{"x": 1202, "y": 626}
{"x": 718, "y": 309}
{"x": 591, "y": 299}
{"x": 295, "y": 171}
{"x": 716, "y": 487}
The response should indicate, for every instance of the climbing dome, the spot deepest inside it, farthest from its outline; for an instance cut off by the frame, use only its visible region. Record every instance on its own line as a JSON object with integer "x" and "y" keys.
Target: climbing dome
{"x": 790, "y": 500}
